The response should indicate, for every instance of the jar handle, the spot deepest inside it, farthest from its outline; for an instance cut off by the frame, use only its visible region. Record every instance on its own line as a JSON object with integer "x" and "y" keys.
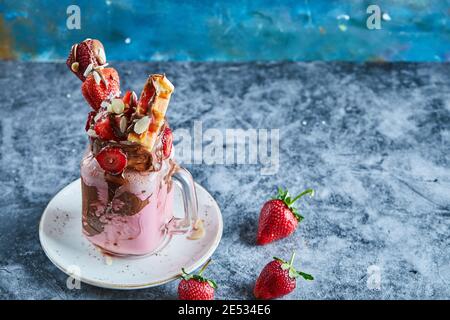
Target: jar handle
{"x": 182, "y": 225}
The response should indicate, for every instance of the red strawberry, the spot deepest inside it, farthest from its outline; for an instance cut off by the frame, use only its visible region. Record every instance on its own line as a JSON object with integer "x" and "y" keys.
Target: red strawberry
{"x": 277, "y": 279}
{"x": 147, "y": 94}
{"x": 130, "y": 100}
{"x": 108, "y": 87}
{"x": 166, "y": 140}
{"x": 89, "y": 120}
{"x": 112, "y": 160}
{"x": 278, "y": 218}
{"x": 103, "y": 128}
{"x": 116, "y": 120}
{"x": 81, "y": 55}
{"x": 195, "y": 287}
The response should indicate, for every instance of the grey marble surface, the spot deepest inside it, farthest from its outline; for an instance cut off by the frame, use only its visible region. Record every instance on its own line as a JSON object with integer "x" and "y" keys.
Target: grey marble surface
{"x": 372, "y": 139}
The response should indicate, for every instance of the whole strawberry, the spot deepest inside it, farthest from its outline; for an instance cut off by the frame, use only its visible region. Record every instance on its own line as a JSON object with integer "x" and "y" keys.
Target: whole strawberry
{"x": 83, "y": 54}
{"x": 278, "y": 218}
{"x": 101, "y": 84}
{"x": 277, "y": 279}
{"x": 195, "y": 286}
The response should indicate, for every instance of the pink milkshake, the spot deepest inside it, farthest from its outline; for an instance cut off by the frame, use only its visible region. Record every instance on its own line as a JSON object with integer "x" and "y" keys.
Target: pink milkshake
{"x": 133, "y": 221}
{"x": 128, "y": 171}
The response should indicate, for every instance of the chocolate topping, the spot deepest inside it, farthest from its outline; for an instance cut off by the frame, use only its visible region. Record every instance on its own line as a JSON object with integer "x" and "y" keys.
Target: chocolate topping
{"x": 139, "y": 158}
{"x": 91, "y": 204}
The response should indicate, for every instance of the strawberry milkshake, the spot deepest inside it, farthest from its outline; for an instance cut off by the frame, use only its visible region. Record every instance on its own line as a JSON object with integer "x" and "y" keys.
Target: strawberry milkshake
{"x": 128, "y": 170}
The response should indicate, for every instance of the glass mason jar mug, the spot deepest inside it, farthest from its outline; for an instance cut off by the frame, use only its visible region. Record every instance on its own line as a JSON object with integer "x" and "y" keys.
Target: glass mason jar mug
{"x": 132, "y": 214}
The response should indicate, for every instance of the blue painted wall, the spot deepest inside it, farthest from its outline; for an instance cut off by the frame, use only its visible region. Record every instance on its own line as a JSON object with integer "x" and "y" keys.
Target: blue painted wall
{"x": 232, "y": 30}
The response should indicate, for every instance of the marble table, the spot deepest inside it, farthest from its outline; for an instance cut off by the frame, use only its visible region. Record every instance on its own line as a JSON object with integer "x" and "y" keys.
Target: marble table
{"x": 372, "y": 139}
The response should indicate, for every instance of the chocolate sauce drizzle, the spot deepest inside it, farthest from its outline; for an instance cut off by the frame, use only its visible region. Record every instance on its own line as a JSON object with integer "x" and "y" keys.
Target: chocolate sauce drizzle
{"x": 90, "y": 207}
{"x": 123, "y": 204}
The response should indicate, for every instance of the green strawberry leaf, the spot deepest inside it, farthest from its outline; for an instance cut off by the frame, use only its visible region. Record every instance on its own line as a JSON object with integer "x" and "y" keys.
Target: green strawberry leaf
{"x": 292, "y": 272}
{"x": 212, "y": 283}
{"x": 297, "y": 215}
{"x": 198, "y": 277}
{"x": 279, "y": 259}
{"x": 186, "y": 276}
{"x": 286, "y": 198}
{"x": 305, "y": 276}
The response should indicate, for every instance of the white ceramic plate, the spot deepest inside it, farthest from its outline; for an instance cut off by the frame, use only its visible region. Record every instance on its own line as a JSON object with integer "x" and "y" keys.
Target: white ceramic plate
{"x": 63, "y": 243}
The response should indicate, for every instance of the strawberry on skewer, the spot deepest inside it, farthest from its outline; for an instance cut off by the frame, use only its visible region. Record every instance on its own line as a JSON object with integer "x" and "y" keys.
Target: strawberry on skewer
{"x": 89, "y": 52}
{"x": 278, "y": 218}
{"x": 100, "y": 85}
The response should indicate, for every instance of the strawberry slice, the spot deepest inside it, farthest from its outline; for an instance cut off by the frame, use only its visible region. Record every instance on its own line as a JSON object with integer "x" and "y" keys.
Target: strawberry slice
{"x": 112, "y": 159}
{"x": 167, "y": 139}
{"x": 89, "y": 120}
{"x": 104, "y": 129}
